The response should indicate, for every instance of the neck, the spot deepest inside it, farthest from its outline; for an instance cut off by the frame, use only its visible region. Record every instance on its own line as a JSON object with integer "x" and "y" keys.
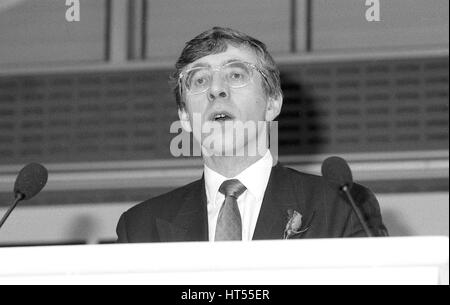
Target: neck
{"x": 231, "y": 166}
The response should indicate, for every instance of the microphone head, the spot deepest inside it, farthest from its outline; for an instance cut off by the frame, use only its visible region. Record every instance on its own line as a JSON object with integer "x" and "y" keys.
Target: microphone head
{"x": 336, "y": 169}
{"x": 31, "y": 180}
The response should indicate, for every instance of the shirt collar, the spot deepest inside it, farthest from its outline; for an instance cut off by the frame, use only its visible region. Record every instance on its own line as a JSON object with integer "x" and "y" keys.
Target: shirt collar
{"x": 255, "y": 178}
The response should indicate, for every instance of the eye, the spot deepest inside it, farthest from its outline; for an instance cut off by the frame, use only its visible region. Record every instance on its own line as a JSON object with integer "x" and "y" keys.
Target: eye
{"x": 200, "y": 81}
{"x": 236, "y": 76}
{"x": 198, "y": 78}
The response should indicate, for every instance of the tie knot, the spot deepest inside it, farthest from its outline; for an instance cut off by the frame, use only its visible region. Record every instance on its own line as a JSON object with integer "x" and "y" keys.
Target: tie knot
{"x": 233, "y": 188}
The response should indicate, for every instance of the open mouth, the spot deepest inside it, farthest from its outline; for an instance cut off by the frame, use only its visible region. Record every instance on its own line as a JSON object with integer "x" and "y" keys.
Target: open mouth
{"x": 221, "y": 117}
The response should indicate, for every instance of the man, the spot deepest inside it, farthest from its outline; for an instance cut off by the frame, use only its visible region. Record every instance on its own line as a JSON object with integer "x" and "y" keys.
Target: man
{"x": 224, "y": 77}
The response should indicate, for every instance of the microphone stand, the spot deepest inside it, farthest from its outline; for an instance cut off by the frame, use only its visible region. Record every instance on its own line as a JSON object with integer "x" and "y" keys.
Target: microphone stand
{"x": 345, "y": 189}
{"x": 19, "y": 197}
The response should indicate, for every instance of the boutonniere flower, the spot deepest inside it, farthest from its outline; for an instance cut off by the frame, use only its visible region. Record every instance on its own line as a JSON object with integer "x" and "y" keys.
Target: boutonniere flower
{"x": 294, "y": 224}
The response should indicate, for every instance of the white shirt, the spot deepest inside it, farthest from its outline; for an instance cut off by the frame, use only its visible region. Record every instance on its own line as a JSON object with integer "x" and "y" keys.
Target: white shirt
{"x": 255, "y": 178}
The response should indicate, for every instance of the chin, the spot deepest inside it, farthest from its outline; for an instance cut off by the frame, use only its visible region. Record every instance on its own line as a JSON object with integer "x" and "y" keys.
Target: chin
{"x": 219, "y": 148}
{"x": 231, "y": 139}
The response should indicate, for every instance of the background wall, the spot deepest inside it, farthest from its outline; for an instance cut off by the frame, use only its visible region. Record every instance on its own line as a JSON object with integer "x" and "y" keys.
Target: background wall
{"x": 90, "y": 100}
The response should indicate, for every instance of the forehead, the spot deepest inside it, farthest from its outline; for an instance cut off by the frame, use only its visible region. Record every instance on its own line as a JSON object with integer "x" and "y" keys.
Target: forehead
{"x": 232, "y": 53}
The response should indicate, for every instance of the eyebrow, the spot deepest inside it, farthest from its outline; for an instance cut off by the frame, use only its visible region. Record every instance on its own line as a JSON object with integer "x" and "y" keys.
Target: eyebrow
{"x": 209, "y": 66}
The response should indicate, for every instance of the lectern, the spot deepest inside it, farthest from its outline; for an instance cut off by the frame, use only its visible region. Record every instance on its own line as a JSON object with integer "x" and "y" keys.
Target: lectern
{"x": 405, "y": 260}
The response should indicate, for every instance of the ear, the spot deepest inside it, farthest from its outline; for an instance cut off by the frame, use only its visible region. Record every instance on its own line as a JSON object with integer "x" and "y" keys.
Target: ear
{"x": 273, "y": 107}
{"x": 184, "y": 119}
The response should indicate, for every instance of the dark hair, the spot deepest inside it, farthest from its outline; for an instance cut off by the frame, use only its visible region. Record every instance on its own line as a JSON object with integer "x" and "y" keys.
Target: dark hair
{"x": 215, "y": 41}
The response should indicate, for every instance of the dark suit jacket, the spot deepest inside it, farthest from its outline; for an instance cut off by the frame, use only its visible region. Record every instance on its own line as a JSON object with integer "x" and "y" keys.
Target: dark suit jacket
{"x": 181, "y": 215}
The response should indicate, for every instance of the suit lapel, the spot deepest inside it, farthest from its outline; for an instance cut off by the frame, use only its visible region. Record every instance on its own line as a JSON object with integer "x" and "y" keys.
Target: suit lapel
{"x": 280, "y": 196}
{"x": 191, "y": 221}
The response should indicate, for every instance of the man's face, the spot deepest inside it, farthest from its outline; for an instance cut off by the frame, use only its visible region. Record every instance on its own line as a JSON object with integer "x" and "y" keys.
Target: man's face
{"x": 222, "y": 105}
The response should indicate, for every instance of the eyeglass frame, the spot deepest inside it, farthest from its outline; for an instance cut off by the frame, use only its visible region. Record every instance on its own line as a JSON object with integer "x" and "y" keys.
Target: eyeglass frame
{"x": 253, "y": 66}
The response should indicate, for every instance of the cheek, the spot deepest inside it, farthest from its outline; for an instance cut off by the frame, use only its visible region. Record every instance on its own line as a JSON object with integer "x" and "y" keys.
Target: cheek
{"x": 258, "y": 107}
{"x": 260, "y": 100}
{"x": 253, "y": 110}
{"x": 195, "y": 105}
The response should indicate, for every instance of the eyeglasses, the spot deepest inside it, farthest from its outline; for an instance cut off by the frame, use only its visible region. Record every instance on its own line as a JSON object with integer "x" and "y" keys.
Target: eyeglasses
{"x": 237, "y": 74}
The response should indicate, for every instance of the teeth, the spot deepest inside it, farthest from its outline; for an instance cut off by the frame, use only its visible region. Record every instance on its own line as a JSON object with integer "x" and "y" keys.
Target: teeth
{"x": 220, "y": 116}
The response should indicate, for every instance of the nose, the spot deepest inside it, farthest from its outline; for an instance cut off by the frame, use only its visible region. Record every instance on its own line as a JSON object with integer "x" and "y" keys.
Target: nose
{"x": 219, "y": 88}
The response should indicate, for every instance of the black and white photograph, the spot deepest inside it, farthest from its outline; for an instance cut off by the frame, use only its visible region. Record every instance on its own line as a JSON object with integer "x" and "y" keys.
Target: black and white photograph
{"x": 226, "y": 150}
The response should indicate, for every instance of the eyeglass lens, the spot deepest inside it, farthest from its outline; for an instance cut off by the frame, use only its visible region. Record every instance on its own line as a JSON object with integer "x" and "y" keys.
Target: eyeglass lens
{"x": 235, "y": 74}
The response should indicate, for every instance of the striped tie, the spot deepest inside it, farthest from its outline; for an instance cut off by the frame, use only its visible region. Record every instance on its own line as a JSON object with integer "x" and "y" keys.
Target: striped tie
{"x": 229, "y": 223}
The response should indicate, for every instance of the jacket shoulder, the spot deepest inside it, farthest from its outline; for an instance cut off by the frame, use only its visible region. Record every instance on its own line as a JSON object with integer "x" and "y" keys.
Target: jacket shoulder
{"x": 309, "y": 181}
{"x": 138, "y": 224}
{"x": 164, "y": 205}
{"x": 315, "y": 182}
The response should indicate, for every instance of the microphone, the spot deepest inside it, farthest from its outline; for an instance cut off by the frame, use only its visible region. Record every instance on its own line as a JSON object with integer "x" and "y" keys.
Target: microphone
{"x": 336, "y": 170}
{"x": 30, "y": 181}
